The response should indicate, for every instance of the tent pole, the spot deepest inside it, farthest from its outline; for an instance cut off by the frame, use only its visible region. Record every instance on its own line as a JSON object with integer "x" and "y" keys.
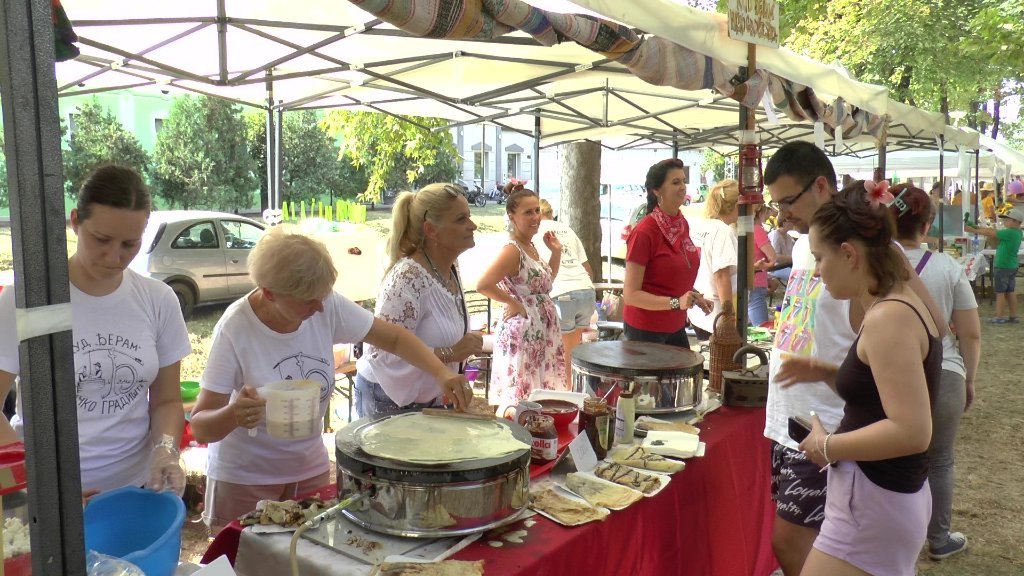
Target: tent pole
{"x": 745, "y": 223}
{"x": 977, "y": 183}
{"x": 483, "y": 154}
{"x": 278, "y": 154}
{"x": 536, "y": 153}
{"x": 882, "y": 149}
{"x": 28, "y": 89}
{"x": 269, "y": 153}
{"x": 942, "y": 186}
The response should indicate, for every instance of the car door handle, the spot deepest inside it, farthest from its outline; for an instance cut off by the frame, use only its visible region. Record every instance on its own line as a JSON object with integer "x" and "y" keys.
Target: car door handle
{"x": 234, "y": 260}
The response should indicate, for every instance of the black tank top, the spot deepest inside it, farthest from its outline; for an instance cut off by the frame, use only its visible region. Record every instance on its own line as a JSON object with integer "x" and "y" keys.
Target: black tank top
{"x": 857, "y": 387}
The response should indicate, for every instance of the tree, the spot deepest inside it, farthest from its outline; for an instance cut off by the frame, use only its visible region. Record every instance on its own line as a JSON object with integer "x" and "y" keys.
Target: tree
{"x": 579, "y": 206}
{"x": 395, "y": 153}
{"x": 201, "y": 156}
{"x": 713, "y": 161}
{"x": 927, "y": 52}
{"x": 312, "y": 164}
{"x": 99, "y": 138}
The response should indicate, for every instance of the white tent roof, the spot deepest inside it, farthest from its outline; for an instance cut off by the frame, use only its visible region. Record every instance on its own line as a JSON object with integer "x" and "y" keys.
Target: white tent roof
{"x": 333, "y": 54}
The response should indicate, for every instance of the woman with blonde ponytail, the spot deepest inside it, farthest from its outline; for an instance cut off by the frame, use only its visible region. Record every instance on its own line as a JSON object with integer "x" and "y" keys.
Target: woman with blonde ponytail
{"x": 421, "y": 292}
{"x": 718, "y": 254}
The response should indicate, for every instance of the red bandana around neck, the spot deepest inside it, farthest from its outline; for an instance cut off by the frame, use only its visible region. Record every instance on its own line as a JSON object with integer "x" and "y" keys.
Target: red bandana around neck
{"x": 673, "y": 228}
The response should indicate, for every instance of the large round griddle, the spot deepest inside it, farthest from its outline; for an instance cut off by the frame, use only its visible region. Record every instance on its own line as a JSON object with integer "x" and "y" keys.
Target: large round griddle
{"x": 353, "y": 458}
{"x": 635, "y": 359}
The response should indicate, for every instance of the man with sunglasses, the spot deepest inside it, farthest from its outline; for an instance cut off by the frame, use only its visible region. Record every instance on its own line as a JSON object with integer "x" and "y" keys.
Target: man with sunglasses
{"x": 813, "y": 325}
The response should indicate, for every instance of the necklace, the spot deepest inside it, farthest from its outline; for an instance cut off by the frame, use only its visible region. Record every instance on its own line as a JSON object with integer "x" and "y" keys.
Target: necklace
{"x": 529, "y": 248}
{"x": 452, "y": 284}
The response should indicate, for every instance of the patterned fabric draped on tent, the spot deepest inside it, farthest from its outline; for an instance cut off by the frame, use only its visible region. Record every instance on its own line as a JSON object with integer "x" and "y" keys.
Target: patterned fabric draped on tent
{"x": 654, "y": 60}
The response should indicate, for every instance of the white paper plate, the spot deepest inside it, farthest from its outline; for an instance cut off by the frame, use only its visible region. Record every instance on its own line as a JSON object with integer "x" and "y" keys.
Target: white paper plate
{"x": 600, "y": 481}
{"x": 663, "y": 479}
{"x": 603, "y": 512}
{"x": 613, "y": 450}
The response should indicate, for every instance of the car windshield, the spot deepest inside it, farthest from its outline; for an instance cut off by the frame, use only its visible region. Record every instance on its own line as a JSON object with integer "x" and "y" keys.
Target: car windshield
{"x": 616, "y": 210}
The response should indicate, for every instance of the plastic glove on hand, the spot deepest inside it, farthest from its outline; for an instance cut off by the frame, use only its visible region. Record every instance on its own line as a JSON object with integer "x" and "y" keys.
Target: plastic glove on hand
{"x": 166, "y": 471}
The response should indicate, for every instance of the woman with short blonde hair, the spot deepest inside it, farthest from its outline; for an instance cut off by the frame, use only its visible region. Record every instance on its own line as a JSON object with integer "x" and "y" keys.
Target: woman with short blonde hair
{"x": 421, "y": 292}
{"x": 285, "y": 329}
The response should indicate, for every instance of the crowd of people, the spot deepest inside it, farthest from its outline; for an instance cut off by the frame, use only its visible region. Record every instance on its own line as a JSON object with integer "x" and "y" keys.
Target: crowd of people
{"x": 877, "y": 342}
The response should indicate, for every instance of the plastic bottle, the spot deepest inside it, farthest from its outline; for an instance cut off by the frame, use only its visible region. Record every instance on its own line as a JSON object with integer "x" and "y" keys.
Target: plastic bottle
{"x": 625, "y": 413}
{"x": 976, "y": 244}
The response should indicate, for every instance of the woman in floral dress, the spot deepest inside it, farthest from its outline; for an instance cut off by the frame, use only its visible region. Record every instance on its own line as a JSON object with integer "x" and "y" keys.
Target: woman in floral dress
{"x": 528, "y": 350}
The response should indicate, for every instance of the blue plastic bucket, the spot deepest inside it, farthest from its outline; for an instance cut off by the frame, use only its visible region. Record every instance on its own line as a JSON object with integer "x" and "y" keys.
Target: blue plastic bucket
{"x": 140, "y": 526}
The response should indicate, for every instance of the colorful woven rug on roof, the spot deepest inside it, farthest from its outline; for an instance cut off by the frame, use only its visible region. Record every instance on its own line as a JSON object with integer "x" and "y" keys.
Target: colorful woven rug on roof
{"x": 652, "y": 59}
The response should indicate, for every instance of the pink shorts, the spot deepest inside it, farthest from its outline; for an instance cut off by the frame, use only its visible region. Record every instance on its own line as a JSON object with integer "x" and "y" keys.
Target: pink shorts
{"x": 877, "y": 530}
{"x": 226, "y": 501}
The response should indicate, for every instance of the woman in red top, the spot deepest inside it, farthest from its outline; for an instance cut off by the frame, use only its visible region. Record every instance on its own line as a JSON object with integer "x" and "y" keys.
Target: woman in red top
{"x": 661, "y": 263}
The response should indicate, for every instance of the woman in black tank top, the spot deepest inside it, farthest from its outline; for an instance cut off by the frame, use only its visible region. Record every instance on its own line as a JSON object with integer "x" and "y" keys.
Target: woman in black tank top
{"x": 878, "y": 503}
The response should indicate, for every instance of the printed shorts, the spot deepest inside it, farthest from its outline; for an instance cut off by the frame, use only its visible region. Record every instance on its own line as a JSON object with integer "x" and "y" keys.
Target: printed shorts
{"x": 798, "y": 487}
{"x": 1004, "y": 280}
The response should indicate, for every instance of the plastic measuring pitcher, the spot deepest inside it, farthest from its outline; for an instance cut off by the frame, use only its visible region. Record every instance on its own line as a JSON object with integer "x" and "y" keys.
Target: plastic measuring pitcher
{"x": 293, "y": 408}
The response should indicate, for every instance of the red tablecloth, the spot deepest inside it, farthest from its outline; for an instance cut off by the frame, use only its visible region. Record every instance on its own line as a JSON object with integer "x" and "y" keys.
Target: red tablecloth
{"x": 714, "y": 518}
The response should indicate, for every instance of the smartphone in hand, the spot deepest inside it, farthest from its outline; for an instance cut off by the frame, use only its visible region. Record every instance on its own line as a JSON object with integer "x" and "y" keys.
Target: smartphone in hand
{"x": 799, "y": 428}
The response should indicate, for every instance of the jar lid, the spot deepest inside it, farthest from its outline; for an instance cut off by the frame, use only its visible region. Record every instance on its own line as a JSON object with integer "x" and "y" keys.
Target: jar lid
{"x": 12, "y": 468}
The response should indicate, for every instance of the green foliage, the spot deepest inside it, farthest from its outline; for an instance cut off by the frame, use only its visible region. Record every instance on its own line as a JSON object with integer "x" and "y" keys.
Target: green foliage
{"x": 394, "y": 153}
{"x": 99, "y": 138}
{"x": 929, "y": 53}
{"x": 712, "y": 161}
{"x": 201, "y": 156}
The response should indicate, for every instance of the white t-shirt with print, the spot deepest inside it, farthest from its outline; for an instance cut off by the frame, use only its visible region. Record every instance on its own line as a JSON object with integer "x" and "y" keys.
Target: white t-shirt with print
{"x": 718, "y": 250}
{"x": 246, "y": 351}
{"x": 121, "y": 341}
{"x": 571, "y": 273}
{"x": 412, "y": 298}
{"x": 947, "y": 282}
{"x": 812, "y": 323}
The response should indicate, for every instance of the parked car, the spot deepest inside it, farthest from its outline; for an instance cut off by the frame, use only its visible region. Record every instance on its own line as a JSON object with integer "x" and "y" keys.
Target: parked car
{"x": 200, "y": 255}
{"x": 615, "y": 216}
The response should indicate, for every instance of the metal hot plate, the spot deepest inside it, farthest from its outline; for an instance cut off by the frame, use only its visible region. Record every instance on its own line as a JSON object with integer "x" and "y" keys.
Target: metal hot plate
{"x": 635, "y": 359}
{"x": 353, "y": 458}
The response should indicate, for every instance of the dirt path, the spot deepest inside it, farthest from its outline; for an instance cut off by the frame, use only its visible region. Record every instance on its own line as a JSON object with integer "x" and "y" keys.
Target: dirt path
{"x": 988, "y": 504}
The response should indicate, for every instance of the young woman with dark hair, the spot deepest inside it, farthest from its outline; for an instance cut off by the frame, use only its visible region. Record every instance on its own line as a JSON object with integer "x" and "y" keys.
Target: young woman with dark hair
{"x": 878, "y": 501}
{"x": 528, "y": 351}
{"x": 661, "y": 263}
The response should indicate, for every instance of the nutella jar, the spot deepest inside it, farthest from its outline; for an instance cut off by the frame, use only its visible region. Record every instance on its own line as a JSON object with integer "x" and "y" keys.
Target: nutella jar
{"x": 545, "y": 438}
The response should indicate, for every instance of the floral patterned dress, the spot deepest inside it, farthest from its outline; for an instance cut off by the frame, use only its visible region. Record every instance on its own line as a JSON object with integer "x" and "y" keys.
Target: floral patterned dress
{"x": 528, "y": 352}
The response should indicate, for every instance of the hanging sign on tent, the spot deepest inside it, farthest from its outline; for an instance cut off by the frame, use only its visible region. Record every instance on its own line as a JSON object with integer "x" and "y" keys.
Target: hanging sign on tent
{"x": 754, "y": 21}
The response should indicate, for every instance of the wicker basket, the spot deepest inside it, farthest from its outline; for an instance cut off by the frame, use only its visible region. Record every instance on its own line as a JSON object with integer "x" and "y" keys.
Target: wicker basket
{"x": 725, "y": 341}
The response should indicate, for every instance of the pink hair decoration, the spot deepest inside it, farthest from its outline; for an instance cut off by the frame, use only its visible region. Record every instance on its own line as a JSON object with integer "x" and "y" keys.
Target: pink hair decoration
{"x": 878, "y": 193}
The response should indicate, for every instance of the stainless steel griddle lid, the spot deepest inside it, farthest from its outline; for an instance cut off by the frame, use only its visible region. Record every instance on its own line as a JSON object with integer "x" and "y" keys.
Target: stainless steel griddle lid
{"x": 352, "y": 457}
{"x": 635, "y": 359}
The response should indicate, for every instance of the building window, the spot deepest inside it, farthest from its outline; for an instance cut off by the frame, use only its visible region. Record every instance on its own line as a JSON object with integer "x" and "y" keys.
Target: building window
{"x": 72, "y": 125}
{"x": 158, "y": 124}
{"x": 480, "y": 164}
{"x": 514, "y": 164}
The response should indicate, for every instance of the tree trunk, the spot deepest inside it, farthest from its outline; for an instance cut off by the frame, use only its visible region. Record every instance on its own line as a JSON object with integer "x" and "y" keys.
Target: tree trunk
{"x": 998, "y": 100}
{"x": 944, "y": 100}
{"x": 579, "y": 206}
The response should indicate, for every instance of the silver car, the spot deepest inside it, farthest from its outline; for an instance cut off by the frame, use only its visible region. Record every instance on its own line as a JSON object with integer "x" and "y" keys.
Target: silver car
{"x": 200, "y": 255}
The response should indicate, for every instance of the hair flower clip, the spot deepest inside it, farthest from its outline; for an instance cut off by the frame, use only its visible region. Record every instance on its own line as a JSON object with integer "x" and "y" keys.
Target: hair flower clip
{"x": 878, "y": 193}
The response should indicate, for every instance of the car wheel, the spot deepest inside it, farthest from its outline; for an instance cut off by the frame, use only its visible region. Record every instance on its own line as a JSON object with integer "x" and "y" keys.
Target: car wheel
{"x": 186, "y": 299}
{"x": 480, "y": 201}
{"x": 686, "y": 202}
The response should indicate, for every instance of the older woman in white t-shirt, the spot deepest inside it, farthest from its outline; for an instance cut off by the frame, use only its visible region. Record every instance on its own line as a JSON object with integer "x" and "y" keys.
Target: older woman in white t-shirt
{"x": 421, "y": 292}
{"x": 947, "y": 283}
{"x": 285, "y": 329}
{"x": 716, "y": 239}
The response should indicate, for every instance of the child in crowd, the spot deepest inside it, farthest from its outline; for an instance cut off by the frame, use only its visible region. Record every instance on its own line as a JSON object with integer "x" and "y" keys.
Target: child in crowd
{"x": 1005, "y": 263}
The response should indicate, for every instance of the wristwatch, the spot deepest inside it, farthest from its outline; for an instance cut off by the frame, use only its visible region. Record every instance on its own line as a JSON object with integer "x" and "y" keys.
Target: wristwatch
{"x": 673, "y": 303}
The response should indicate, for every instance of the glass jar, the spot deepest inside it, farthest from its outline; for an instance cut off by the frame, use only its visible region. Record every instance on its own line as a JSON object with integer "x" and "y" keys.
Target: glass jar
{"x": 595, "y": 421}
{"x": 17, "y": 556}
{"x": 545, "y": 438}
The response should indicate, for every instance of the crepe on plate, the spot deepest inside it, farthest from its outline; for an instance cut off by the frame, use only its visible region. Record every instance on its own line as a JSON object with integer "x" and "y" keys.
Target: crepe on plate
{"x": 639, "y": 457}
{"x": 647, "y": 423}
{"x": 629, "y": 477}
{"x": 288, "y": 513}
{"x": 564, "y": 510}
{"x": 601, "y": 493}
{"x": 445, "y": 568}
